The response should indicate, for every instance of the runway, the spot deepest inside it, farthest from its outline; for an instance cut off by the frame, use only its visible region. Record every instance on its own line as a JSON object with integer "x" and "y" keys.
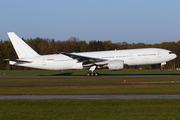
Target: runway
{"x": 34, "y": 97}
{"x": 103, "y": 76}
{"x": 88, "y": 97}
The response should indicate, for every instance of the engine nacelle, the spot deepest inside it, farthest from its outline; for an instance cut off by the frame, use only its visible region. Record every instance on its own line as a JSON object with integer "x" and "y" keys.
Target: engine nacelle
{"x": 116, "y": 65}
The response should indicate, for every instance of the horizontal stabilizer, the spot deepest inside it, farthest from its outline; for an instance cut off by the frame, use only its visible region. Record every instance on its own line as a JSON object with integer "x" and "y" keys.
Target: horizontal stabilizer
{"x": 18, "y": 60}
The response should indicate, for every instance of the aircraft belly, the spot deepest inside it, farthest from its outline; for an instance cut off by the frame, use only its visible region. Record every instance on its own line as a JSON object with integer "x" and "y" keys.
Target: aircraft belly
{"x": 139, "y": 61}
{"x": 61, "y": 65}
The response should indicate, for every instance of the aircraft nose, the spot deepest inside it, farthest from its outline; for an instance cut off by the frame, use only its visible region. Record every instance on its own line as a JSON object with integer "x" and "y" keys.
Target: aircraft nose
{"x": 172, "y": 55}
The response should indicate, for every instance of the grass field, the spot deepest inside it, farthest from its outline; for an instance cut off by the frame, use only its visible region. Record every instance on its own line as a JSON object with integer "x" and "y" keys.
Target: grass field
{"x": 162, "y": 109}
{"x": 136, "y": 109}
{"x": 84, "y": 72}
{"x": 81, "y": 80}
{"x": 125, "y": 89}
{"x": 89, "y": 89}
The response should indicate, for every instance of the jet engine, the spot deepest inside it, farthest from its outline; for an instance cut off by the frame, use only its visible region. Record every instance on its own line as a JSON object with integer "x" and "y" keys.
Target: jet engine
{"x": 116, "y": 65}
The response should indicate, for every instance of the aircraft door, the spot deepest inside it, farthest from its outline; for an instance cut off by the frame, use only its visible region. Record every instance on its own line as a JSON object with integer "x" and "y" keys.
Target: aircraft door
{"x": 131, "y": 58}
{"x": 158, "y": 55}
{"x": 43, "y": 61}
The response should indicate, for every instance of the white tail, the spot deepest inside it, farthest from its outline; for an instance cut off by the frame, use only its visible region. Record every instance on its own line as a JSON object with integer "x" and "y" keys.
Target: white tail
{"x": 22, "y": 49}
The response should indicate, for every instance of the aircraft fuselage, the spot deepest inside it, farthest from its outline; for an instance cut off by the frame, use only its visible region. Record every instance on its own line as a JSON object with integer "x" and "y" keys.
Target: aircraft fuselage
{"x": 131, "y": 57}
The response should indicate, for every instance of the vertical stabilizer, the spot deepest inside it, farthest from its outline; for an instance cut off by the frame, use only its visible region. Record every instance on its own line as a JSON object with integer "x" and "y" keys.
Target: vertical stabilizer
{"x": 22, "y": 49}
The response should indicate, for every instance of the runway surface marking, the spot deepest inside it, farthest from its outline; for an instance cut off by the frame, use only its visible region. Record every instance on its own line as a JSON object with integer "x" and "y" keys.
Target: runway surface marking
{"x": 35, "y": 97}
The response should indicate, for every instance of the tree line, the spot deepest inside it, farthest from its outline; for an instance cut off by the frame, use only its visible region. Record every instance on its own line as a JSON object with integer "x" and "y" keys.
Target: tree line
{"x": 50, "y": 46}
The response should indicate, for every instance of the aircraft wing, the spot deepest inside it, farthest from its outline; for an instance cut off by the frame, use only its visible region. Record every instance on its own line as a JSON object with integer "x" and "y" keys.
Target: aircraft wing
{"x": 84, "y": 59}
{"x": 18, "y": 60}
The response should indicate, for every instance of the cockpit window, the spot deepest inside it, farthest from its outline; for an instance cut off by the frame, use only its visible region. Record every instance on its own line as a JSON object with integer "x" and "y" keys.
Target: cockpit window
{"x": 171, "y": 53}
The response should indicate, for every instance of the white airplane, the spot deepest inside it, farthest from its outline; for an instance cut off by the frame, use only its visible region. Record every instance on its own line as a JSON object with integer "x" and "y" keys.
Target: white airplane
{"x": 113, "y": 59}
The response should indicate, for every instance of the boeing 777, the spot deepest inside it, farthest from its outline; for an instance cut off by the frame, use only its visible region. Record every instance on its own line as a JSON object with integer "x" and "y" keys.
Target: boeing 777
{"x": 113, "y": 59}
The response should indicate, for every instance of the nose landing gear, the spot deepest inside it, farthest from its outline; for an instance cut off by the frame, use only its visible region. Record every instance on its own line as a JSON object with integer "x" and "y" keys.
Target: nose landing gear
{"x": 162, "y": 66}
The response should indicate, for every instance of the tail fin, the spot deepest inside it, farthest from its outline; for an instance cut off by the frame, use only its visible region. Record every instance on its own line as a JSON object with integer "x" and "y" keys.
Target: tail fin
{"x": 22, "y": 49}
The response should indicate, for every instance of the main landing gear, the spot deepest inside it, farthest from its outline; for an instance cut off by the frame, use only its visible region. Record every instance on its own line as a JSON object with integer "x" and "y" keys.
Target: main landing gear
{"x": 92, "y": 73}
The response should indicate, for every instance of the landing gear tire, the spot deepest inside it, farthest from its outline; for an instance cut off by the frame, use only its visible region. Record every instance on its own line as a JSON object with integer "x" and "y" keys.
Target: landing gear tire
{"x": 88, "y": 74}
{"x": 96, "y": 74}
{"x": 162, "y": 69}
{"x": 92, "y": 74}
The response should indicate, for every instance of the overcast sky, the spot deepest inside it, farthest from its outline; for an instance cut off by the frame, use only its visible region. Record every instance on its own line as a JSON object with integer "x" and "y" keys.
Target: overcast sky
{"x": 132, "y": 21}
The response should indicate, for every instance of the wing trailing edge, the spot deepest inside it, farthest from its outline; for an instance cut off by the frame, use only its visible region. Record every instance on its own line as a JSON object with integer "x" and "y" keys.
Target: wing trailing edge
{"x": 87, "y": 61}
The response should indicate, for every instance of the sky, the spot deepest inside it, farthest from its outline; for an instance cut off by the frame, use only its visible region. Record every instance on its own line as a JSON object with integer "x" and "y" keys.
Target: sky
{"x": 131, "y": 21}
